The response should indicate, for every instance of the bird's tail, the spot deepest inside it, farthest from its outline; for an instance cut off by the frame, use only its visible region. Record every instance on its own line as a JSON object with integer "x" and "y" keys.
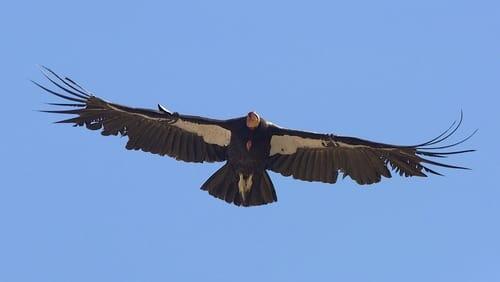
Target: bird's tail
{"x": 242, "y": 190}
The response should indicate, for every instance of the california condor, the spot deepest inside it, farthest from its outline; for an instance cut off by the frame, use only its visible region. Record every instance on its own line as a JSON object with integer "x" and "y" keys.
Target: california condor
{"x": 249, "y": 146}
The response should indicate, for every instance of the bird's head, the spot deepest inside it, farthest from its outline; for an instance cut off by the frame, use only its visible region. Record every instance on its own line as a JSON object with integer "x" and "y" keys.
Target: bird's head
{"x": 253, "y": 120}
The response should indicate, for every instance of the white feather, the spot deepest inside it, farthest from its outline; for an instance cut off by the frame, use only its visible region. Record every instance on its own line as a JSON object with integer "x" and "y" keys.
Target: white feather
{"x": 211, "y": 134}
{"x": 287, "y": 145}
{"x": 245, "y": 184}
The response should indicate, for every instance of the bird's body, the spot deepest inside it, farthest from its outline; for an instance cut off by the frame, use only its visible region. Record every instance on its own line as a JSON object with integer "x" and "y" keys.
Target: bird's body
{"x": 248, "y": 149}
{"x": 247, "y": 155}
{"x": 249, "y": 146}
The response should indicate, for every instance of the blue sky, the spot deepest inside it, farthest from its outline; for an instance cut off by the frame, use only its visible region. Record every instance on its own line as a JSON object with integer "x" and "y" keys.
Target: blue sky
{"x": 76, "y": 206}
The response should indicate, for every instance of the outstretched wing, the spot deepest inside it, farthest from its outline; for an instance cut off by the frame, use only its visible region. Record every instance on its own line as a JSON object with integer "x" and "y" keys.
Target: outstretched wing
{"x": 186, "y": 138}
{"x": 320, "y": 157}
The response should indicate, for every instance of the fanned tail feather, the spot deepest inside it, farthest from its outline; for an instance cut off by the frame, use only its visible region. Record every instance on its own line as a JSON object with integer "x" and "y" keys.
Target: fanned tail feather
{"x": 223, "y": 184}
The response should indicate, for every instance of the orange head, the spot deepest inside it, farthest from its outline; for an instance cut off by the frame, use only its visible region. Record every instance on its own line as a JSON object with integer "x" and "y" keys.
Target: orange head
{"x": 253, "y": 120}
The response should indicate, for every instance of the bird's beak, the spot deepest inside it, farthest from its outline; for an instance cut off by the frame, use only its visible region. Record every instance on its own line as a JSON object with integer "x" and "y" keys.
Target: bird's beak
{"x": 253, "y": 120}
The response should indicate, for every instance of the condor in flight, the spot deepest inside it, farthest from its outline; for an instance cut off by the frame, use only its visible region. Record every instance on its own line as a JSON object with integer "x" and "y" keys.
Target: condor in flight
{"x": 249, "y": 146}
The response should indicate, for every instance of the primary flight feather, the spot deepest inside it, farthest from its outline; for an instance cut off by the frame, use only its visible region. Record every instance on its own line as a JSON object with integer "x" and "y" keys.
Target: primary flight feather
{"x": 248, "y": 145}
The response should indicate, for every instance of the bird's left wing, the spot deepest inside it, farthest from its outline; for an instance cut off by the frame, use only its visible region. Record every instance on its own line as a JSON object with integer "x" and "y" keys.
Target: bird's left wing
{"x": 320, "y": 157}
{"x": 186, "y": 138}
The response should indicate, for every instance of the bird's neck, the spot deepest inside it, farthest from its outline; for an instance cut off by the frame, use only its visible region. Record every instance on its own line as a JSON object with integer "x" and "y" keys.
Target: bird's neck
{"x": 250, "y": 138}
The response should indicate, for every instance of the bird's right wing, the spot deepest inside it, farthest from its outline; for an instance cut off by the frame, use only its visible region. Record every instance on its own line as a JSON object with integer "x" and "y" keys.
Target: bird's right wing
{"x": 186, "y": 138}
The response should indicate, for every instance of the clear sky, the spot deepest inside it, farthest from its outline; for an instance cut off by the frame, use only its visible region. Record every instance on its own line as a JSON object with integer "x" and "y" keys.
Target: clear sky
{"x": 76, "y": 206}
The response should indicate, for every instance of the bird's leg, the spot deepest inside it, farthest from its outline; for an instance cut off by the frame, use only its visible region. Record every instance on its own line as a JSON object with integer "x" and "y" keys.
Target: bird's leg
{"x": 244, "y": 185}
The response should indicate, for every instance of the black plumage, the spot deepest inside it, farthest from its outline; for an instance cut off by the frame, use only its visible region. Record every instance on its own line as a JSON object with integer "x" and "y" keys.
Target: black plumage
{"x": 249, "y": 145}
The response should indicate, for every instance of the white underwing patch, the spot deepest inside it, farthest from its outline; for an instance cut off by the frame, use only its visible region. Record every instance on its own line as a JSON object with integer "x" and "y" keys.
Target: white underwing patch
{"x": 212, "y": 134}
{"x": 287, "y": 145}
